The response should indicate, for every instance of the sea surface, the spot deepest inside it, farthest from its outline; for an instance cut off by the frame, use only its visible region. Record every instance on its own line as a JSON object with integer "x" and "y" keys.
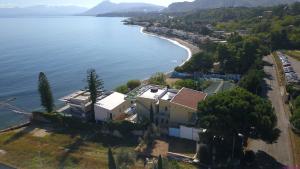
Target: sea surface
{"x": 65, "y": 48}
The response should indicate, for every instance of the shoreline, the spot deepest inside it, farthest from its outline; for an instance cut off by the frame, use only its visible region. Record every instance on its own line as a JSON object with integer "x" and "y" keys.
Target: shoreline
{"x": 190, "y": 48}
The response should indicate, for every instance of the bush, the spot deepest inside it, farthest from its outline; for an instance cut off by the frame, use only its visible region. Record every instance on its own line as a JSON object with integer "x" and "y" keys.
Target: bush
{"x": 296, "y": 124}
{"x": 132, "y": 84}
{"x": 122, "y": 89}
{"x": 158, "y": 79}
{"x": 297, "y": 102}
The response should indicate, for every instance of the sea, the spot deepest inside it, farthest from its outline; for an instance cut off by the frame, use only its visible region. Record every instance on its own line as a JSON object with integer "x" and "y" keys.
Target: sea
{"x": 64, "y": 48}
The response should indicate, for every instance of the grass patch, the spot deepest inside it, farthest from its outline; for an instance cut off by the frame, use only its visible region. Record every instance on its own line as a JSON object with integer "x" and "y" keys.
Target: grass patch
{"x": 64, "y": 148}
{"x": 294, "y": 54}
{"x": 279, "y": 68}
{"x": 60, "y": 149}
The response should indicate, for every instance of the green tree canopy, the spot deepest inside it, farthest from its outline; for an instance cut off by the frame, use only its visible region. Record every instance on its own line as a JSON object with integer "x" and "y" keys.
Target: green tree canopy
{"x": 237, "y": 111}
{"x": 200, "y": 62}
{"x": 45, "y": 93}
{"x": 95, "y": 84}
{"x": 252, "y": 81}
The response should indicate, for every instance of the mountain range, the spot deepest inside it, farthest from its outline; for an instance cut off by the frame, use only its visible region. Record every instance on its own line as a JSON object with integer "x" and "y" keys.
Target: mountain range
{"x": 110, "y": 7}
{"x": 41, "y": 10}
{"x": 209, "y": 4}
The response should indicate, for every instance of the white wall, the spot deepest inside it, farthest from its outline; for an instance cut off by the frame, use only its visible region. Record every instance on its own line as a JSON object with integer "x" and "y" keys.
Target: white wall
{"x": 185, "y": 133}
{"x": 101, "y": 114}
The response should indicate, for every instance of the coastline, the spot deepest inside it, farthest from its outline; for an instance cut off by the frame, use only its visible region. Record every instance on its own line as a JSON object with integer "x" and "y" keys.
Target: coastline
{"x": 190, "y": 48}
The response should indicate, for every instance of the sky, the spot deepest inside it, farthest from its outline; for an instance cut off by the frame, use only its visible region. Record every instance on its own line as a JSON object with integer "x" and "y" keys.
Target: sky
{"x": 84, "y": 3}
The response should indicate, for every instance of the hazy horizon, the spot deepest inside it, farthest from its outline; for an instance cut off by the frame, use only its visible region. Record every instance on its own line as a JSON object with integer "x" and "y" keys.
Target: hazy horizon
{"x": 80, "y": 3}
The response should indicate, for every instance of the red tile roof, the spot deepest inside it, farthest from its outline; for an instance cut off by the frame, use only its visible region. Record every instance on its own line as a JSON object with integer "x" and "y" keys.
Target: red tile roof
{"x": 189, "y": 98}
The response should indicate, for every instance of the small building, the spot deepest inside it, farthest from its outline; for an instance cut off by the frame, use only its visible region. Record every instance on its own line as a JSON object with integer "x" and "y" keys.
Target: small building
{"x": 184, "y": 106}
{"x": 79, "y": 103}
{"x": 111, "y": 107}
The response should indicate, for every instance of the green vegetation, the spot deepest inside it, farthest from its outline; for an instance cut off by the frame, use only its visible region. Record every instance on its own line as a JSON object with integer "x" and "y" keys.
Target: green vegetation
{"x": 125, "y": 159}
{"x": 241, "y": 109}
{"x": 122, "y": 89}
{"x": 131, "y": 84}
{"x": 295, "y": 119}
{"x": 45, "y": 93}
{"x": 200, "y": 85}
{"x": 95, "y": 85}
{"x": 253, "y": 81}
{"x": 234, "y": 112}
{"x": 200, "y": 62}
{"x": 294, "y": 53}
{"x": 158, "y": 79}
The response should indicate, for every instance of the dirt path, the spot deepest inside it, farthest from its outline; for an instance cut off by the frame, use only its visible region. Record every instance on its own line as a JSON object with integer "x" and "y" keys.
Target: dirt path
{"x": 282, "y": 150}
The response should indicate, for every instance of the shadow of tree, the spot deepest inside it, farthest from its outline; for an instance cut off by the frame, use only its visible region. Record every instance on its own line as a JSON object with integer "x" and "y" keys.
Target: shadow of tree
{"x": 19, "y": 134}
{"x": 69, "y": 150}
{"x": 265, "y": 161}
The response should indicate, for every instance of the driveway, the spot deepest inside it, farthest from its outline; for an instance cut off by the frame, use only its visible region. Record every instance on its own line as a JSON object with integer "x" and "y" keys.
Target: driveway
{"x": 281, "y": 151}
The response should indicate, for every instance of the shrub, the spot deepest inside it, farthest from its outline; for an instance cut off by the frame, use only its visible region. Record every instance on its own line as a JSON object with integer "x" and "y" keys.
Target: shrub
{"x": 122, "y": 89}
{"x": 132, "y": 84}
{"x": 158, "y": 79}
{"x": 297, "y": 102}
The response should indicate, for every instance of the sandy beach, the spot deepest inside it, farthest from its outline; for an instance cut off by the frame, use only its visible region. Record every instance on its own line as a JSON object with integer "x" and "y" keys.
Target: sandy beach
{"x": 191, "y": 48}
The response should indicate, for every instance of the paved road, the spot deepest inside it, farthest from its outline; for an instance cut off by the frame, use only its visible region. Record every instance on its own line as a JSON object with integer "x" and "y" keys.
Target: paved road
{"x": 282, "y": 150}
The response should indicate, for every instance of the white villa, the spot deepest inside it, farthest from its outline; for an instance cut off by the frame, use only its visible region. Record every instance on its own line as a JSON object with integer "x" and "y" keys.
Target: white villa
{"x": 111, "y": 107}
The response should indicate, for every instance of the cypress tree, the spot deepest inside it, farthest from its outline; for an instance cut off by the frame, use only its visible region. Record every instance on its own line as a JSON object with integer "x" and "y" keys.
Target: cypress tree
{"x": 94, "y": 85}
{"x": 45, "y": 93}
{"x": 111, "y": 160}
{"x": 159, "y": 163}
{"x": 151, "y": 114}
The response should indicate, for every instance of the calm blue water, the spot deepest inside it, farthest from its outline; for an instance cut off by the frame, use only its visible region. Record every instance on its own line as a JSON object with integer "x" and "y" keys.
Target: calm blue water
{"x": 65, "y": 47}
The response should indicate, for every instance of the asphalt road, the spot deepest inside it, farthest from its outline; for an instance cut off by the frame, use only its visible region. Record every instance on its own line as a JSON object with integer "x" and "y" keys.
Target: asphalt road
{"x": 281, "y": 152}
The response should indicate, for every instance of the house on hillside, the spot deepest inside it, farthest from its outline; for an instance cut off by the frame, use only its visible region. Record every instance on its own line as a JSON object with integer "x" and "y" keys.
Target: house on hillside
{"x": 111, "y": 107}
{"x": 170, "y": 107}
{"x": 78, "y": 103}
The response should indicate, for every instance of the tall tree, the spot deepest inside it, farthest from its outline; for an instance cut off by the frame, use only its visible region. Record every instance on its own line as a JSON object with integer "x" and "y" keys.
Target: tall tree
{"x": 151, "y": 114}
{"x": 95, "y": 84}
{"x": 45, "y": 93}
{"x": 159, "y": 163}
{"x": 111, "y": 160}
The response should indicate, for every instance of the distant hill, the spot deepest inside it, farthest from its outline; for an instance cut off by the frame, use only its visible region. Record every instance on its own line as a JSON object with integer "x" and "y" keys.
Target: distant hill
{"x": 110, "y": 7}
{"x": 210, "y": 4}
{"x": 42, "y": 10}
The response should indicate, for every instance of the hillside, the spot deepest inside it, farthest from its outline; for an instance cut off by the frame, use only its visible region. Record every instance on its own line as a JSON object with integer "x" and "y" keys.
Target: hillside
{"x": 210, "y": 4}
{"x": 110, "y": 7}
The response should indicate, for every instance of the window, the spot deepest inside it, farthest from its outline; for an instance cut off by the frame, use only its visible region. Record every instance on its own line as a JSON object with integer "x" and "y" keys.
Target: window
{"x": 110, "y": 116}
{"x": 166, "y": 108}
